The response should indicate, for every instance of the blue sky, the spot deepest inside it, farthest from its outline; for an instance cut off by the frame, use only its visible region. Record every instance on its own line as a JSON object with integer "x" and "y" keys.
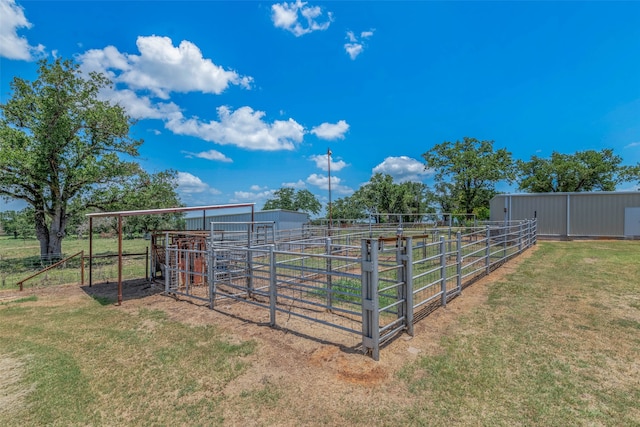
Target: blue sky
{"x": 243, "y": 98}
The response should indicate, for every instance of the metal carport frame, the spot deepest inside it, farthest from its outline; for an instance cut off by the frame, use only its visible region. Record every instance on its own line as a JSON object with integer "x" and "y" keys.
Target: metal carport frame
{"x": 122, "y": 214}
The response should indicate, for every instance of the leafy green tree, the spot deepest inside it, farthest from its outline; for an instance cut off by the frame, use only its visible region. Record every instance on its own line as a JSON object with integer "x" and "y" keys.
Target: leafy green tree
{"x": 143, "y": 191}
{"x": 348, "y": 208}
{"x": 18, "y": 223}
{"x": 385, "y": 199}
{"x": 471, "y": 168}
{"x": 413, "y": 198}
{"x": 289, "y": 199}
{"x": 377, "y": 196}
{"x": 630, "y": 173}
{"x": 305, "y": 201}
{"x": 583, "y": 171}
{"x": 60, "y": 144}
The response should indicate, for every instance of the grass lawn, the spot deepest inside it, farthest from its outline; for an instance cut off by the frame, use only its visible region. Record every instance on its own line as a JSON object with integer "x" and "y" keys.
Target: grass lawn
{"x": 555, "y": 342}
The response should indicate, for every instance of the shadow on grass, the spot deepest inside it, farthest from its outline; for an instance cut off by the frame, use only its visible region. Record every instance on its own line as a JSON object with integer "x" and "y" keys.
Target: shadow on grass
{"x": 106, "y": 293}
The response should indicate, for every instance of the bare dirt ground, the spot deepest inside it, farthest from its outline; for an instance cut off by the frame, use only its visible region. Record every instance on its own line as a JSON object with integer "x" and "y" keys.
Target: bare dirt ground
{"x": 302, "y": 360}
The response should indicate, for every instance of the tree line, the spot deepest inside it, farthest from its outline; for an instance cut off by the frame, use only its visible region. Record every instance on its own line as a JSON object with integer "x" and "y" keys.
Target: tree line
{"x": 65, "y": 152}
{"x": 465, "y": 175}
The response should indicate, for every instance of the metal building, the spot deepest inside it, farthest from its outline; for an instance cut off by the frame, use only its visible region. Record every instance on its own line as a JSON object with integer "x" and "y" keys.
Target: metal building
{"x": 281, "y": 219}
{"x": 573, "y": 215}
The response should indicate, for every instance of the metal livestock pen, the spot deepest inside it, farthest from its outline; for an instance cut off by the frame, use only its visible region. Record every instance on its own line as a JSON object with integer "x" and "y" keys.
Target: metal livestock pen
{"x": 371, "y": 285}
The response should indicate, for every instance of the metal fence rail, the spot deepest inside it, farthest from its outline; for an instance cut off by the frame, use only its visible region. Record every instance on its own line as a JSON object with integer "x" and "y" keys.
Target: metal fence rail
{"x": 373, "y": 288}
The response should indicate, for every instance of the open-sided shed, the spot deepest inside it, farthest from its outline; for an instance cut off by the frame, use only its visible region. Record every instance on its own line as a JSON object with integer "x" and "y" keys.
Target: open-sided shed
{"x": 122, "y": 214}
{"x": 613, "y": 214}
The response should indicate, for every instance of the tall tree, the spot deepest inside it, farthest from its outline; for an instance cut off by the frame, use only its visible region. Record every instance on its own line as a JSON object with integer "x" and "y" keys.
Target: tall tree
{"x": 473, "y": 168}
{"x": 348, "y": 208}
{"x": 58, "y": 143}
{"x": 385, "y": 199}
{"x": 377, "y": 196}
{"x": 143, "y": 191}
{"x": 290, "y": 199}
{"x": 630, "y": 173}
{"x": 583, "y": 171}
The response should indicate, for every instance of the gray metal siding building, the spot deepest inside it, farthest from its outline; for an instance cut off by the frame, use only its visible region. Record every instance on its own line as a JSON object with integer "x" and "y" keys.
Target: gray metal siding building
{"x": 596, "y": 214}
{"x": 282, "y": 220}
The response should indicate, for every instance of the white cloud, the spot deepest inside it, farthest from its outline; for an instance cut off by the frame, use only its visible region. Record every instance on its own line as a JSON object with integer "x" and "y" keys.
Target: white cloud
{"x": 321, "y": 163}
{"x": 322, "y": 182}
{"x": 162, "y": 68}
{"x": 155, "y": 131}
{"x": 142, "y": 82}
{"x": 298, "y": 185}
{"x": 254, "y": 196}
{"x": 13, "y": 46}
{"x": 331, "y": 131}
{"x": 209, "y": 155}
{"x": 356, "y": 45}
{"x": 191, "y": 184}
{"x": 244, "y": 128}
{"x": 367, "y": 34}
{"x": 139, "y": 107}
{"x": 633, "y": 144}
{"x": 403, "y": 169}
{"x": 287, "y": 16}
{"x": 353, "y": 49}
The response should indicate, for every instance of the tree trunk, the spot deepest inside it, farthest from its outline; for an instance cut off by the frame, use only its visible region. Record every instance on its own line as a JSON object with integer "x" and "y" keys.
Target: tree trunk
{"x": 42, "y": 232}
{"x": 57, "y": 233}
{"x": 50, "y": 238}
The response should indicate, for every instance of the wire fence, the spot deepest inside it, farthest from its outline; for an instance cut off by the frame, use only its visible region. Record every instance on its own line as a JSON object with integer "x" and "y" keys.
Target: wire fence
{"x": 37, "y": 272}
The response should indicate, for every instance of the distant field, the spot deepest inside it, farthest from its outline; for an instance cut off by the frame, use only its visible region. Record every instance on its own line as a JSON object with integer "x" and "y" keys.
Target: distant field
{"x": 20, "y": 258}
{"x": 554, "y": 341}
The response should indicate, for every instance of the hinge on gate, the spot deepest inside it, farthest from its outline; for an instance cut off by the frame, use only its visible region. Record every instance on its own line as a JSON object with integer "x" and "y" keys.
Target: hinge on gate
{"x": 367, "y": 266}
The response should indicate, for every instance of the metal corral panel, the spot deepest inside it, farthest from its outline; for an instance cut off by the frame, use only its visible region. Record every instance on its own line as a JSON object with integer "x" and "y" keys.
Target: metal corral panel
{"x": 595, "y": 214}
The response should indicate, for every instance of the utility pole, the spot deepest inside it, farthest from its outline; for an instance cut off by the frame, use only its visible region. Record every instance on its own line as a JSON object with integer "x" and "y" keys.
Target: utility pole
{"x": 329, "y": 172}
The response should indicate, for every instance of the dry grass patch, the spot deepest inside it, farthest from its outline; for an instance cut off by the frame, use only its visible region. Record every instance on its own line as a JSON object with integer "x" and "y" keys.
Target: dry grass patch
{"x": 13, "y": 391}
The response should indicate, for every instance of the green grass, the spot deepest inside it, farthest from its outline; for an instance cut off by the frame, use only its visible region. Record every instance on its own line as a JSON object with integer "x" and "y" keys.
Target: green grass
{"x": 89, "y": 364}
{"x": 21, "y": 300}
{"x": 554, "y": 345}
